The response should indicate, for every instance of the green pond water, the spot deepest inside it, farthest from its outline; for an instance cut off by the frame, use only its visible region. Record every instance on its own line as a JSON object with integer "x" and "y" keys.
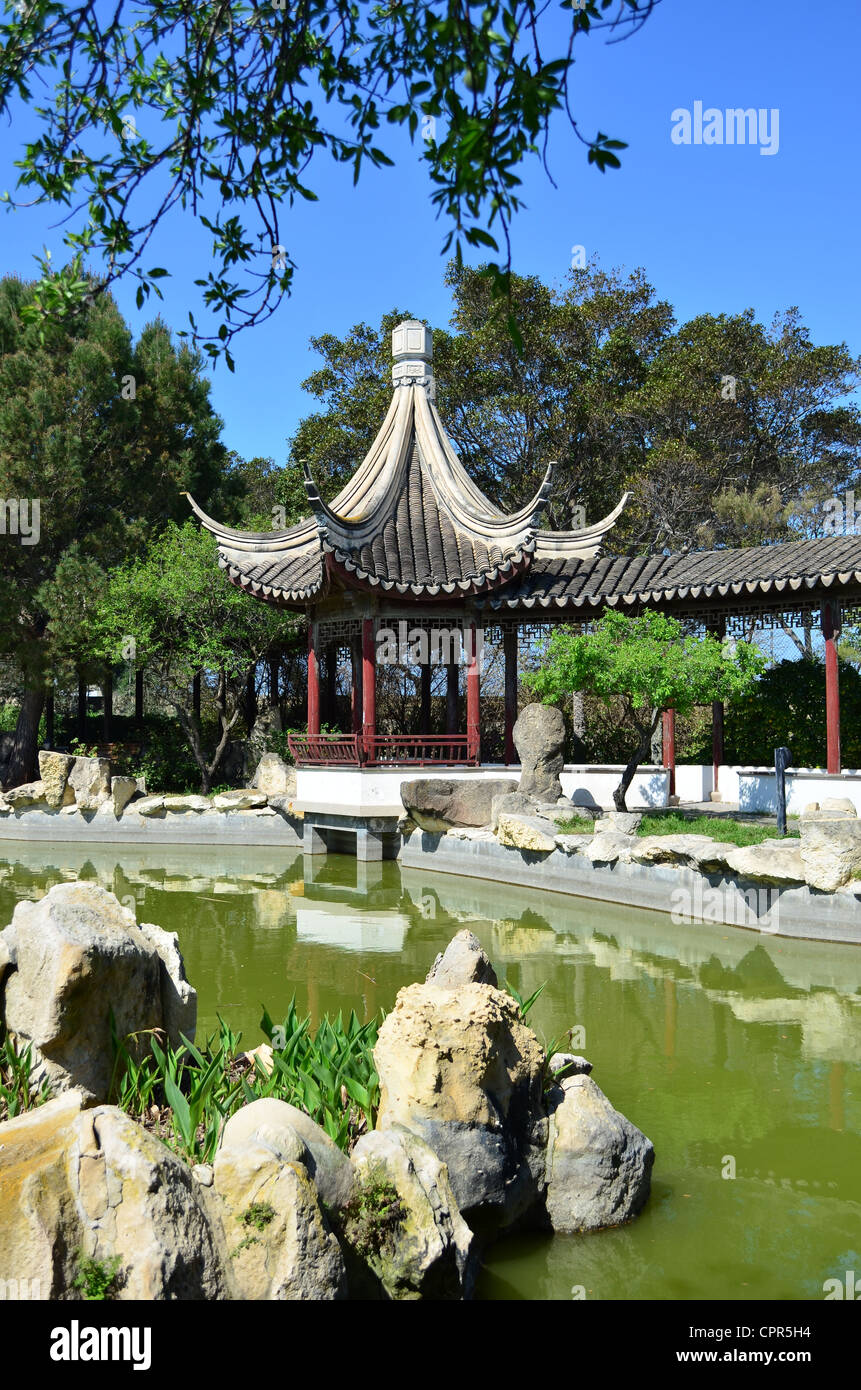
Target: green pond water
{"x": 725, "y": 1046}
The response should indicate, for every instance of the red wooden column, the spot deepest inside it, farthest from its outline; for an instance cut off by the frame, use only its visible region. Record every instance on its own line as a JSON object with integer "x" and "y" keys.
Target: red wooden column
{"x": 313, "y": 683}
{"x": 831, "y": 619}
{"x": 473, "y": 715}
{"x": 356, "y": 685}
{"x": 509, "y": 647}
{"x": 369, "y": 684}
{"x": 668, "y": 722}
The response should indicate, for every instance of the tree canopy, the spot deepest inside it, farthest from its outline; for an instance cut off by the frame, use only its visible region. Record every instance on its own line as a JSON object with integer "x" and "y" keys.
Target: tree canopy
{"x": 158, "y": 107}
{"x": 726, "y": 430}
{"x": 652, "y": 664}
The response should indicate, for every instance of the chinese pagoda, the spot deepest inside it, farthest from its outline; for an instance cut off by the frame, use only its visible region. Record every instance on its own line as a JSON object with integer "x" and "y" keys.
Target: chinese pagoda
{"x": 411, "y": 539}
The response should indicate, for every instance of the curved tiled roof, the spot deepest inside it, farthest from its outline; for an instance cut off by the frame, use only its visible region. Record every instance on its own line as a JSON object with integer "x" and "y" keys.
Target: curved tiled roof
{"x": 785, "y": 573}
{"x": 410, "y": 520}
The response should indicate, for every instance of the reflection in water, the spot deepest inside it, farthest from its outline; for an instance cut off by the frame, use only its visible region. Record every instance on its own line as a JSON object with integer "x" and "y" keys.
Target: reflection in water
{"x": 720, "y": 1044}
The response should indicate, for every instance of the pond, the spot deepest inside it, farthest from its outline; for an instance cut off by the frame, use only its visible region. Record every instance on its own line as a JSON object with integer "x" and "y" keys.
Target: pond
{"x": 735, "y": 1052}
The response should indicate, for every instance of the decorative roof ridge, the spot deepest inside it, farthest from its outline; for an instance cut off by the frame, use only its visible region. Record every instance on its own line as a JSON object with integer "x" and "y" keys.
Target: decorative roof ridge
{"x": 297, "y": 537}
{"x": 584, "y": 544}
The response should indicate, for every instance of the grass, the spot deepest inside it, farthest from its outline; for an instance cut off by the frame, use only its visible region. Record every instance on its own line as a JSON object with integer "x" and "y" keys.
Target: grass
{"x": 735, "y": 832}
{"x": 576, "y": 825}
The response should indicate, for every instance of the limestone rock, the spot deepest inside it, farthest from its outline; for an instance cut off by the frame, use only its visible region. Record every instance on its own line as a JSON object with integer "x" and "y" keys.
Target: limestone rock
{"x": 276, "y": 1125}
{"x": 54, "y": 769}
{"x": 830, "y": 851}
{"x": 610, "y": 848}
{"x": 539, "y": 737}
{"x": 28, "y": 794}
{"x": 564, "y": 1064}
{"x": 189, "y": 802}
{"x": 274, "y": 776}
{"x": 435, "y": 804}
{"x": 94, "y": 1181}
{"x": 243, "y": 799}
{"x": 90, "y": 779}
{"x": 150, "y": 806}
{"x": 427, "y": 1252}
{"x": 78, "y": 956}
{"x": 775, "y": 861}
{"x": 840, "y": 803}
{"x": 572, "y": 844}
{"x": 622, "y": 822}
{"x": 526, "y": 832}
{"x": 599, "y": 1165}
{"x": 461, "y": 1069}
{"x": 463, "y": 962}
{"x": 693, "y": 851}
{"x": 178, "y": 997}
{"x": 278, "y": 1244}
{"x": 510, "y": 803}
{"x": 122, "y": 791}
{"x": 266, "y": 726}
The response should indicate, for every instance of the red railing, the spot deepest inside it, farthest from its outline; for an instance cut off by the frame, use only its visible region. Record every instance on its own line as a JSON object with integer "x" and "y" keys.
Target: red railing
{"x": 419, "y": 750}
{"x": 325, "y": 750}
{"x": 382, "y": 750}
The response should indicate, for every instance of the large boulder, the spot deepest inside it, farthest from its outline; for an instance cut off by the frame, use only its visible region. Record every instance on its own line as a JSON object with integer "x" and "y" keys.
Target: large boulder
{"x": 436, "y": 804}
{"x": 78, "y": 957}
{"x": 459, "y": 1068}
{"x": 274, "y": 776}
{"x": 27, "y": 794}
{"x": 291, "y": 1134}
{"x": 599, "y": 1165}
{"x": 262, "y": 737}
{"x": 403, "y": 1220}
{"x": 463, "y": 962}
{"x": 122, "y": 791}
{"x": 539, "y": 737}
{"x": 242, "y": 799}
{"x": 276, "y": 1239}
{"x": 830, "y": 851}
{"x": 80, "y": 1185}
{"x": 526, "y": 832}
{"x": 54, "y": 770}
{"x": 90, "y": 780}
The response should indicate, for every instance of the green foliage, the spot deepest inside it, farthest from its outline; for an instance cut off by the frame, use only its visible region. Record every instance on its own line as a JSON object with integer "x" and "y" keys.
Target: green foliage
{"x": 787, "y": 708}
{"x": 650, "y": 663}
{"x": 648, "y": 660}
{"x": 576, "y": 825}
{"x": 371, "y": 1217}
{"x": 330, "y": 1074}
{"x": 258, "y": 1215}
{"x": 716, "y": 827}
{"x": 166, "y": 760}
{"x": 96, "y": 1279}
{"x": 331, "y": 76}
{"x": 18, "y": 1089}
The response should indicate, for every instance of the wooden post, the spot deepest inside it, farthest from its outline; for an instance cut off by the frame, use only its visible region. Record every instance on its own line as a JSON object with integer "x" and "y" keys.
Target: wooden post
{"x": 82, "y": 708}
{"x": 369, "y": 685}
{"x": 139, "y": 696}
{"x": 668, "y": 722}
{"x": 831, "y": 620}
{"x": 473, "y": 713}
{"x": 195, "y": 694}
{"x": 49, "y": 717}
{"x": 107, "y": 706}
{"x": 251, "y": 698}
{"x": 356, "y": 684}
{"x": 313, "y": 682}
{"x": 452, "y": 683}
{"x": 425, "y": 716}
{"x": 509, "y": 647}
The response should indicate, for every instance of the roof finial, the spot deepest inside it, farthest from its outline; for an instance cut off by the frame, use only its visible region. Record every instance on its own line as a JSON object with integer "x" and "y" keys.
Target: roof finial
{"x": 412, "y": 349}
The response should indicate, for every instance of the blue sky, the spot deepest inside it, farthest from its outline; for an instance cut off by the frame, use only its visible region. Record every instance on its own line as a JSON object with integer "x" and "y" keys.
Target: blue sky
{"x": 717, "y": 228}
